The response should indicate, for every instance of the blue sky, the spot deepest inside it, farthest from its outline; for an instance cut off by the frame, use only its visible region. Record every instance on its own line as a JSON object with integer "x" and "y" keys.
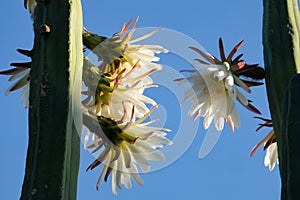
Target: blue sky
{"x": 226, "y": 173}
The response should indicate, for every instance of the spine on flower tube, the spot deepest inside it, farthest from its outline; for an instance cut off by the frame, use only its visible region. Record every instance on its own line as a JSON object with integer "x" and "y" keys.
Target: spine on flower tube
{"x": 290, "y": 129}
{"x": 53, "y": 151}
{"x": 281, "y": 26}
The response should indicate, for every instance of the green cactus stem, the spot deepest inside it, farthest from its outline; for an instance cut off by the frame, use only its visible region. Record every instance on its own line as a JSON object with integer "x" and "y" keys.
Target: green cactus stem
{"x": 53, "y": 153}
{"x": 291, "y": 131}
{"x": 281, "y": 26}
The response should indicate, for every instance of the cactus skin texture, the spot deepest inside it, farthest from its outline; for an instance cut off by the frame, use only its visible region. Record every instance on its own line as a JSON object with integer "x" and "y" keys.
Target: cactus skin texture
{"x": 291, "y": 130}
{"x": 281, "y": 28}
{"x": 53, "y": 151}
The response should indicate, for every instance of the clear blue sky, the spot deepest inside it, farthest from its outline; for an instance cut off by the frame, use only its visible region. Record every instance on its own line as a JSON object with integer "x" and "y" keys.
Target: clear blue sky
{"x": 227, "y": 173}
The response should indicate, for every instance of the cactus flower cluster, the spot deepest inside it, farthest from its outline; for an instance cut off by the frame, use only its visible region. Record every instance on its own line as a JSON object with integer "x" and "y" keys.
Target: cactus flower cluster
{"x": 114, "y": 105}
{"x": 115, "y": 108}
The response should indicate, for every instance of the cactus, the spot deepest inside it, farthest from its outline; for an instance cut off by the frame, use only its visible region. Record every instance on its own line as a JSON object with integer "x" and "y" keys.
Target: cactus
{"x": 53, "y": 153}
{"x": 290, "y": 129}
{"x": 281, "y": 26}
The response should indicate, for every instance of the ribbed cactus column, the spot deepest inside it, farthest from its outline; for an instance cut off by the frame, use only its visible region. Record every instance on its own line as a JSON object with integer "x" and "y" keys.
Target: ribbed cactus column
{"x": 291, "y": 129}
{"x": 53, "y": 152}
{"x": 281, "y": 26}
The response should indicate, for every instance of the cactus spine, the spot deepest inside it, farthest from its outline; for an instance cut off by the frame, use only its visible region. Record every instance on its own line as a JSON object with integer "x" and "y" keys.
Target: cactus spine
{"x": 53, "y": 153}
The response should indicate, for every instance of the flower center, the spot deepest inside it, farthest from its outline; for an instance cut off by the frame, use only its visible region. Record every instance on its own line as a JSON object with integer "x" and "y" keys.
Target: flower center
{"x": 114, "y": 132}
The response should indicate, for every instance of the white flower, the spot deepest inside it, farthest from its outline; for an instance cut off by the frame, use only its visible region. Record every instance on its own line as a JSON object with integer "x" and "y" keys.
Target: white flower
{"x": 122, "y": 47}
{"x": 107, "y": 95}
{"x": 124, "y": 70}
{"x": 271, "y": 157}
{"x": 214, "y": 83}
{"x": 215, "y": 95}
{"x": 125, "y": 147}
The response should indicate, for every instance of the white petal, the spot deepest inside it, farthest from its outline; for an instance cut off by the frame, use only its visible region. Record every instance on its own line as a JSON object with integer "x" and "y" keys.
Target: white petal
{"x": 25, "y": 95}
{"x": 207, "y": 121}
{"x": 139, "y": 158}
{"x": 242, "y": 98}
{"x": 135, "y": 176}
{"x": 235, "y": 117}
{"x": 271, "y": 156}
{"x": 126, "y": 180}
{"x": 229, "y": 83}
{"x": 219, "y": 123}
{"x": 86, "y": 138}
{"x": 156, "y": 156}
{"x": 113, "y": 182}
